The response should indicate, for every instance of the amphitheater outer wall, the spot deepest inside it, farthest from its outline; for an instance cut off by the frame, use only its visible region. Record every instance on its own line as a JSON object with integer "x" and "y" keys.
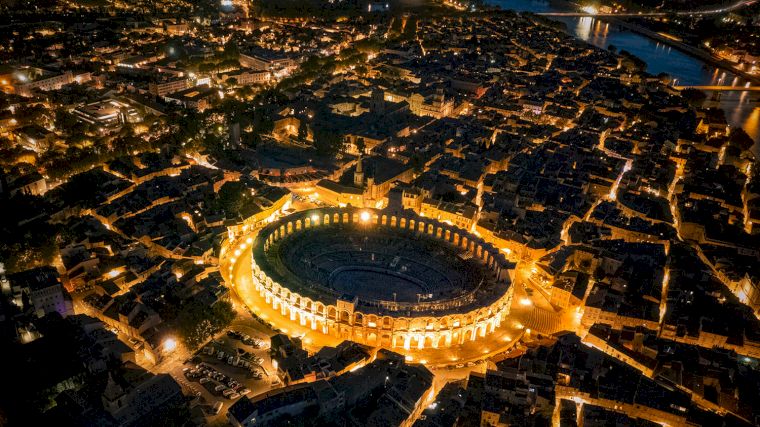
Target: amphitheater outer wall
{"x": 345, "y": 321}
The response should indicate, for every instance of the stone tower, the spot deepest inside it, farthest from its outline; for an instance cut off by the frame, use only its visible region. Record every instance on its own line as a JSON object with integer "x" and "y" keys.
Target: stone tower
{"x": 359, "y": 173}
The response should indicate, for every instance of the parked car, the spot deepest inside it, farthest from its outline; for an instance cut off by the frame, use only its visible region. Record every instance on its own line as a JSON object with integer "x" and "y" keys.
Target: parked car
{"x": 221, "y": 387}
{"x": 217, "y": 408}
{"x": 205, "y": 380}
{"x": 233, "y": 396}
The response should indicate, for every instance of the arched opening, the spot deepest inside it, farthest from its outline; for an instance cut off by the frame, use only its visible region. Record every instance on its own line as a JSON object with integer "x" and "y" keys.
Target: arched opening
{"x": 387, "y": 322}
{"x": 414, "y": 342}
{"x": 331, "y": 313}
{"x": 386, "y": 340}
{"x": 372, "y": 338}
{"x": 428, "y": 341}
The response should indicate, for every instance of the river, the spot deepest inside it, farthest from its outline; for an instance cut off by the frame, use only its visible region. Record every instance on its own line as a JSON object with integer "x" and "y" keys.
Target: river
{"x": 742, "y": 108}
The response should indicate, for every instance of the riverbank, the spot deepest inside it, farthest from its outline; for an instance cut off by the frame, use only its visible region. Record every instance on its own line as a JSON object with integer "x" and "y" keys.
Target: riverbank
{"x": 685, "y": 48}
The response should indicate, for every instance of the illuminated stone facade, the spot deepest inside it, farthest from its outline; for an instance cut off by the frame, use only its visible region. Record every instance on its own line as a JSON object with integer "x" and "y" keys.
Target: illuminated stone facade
{"x": 441, "y": 322}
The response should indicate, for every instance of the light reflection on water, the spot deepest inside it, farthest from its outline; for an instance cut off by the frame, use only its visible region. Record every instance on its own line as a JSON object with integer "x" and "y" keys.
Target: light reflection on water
{"x": 741, "y": 108}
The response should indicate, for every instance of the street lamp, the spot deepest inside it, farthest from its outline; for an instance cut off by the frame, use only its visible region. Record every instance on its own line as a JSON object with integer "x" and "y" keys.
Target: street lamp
{"x": 170, "y": 344}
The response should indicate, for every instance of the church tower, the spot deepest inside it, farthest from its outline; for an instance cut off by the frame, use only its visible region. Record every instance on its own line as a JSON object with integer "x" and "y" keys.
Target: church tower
{"x": 377, "y": 102}
{"x": 359, "y": 173}
{"x": 112, "y": 396}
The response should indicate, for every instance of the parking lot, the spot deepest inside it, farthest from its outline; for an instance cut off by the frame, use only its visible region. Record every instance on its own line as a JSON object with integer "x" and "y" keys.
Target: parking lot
{"x": 234, "y": 364}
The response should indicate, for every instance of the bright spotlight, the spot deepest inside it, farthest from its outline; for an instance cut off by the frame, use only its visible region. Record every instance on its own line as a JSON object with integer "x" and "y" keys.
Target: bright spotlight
{"x": 591, "y": 10}
{"x": 314, "y": 218}
{"x": 170, "y": 344}
{"x": 364, "y": 216}
{"x": 525, "y": 301}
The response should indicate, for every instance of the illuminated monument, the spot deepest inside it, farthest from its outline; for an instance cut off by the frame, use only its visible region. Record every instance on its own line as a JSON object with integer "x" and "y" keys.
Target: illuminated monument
{"x": 382, "y": 279}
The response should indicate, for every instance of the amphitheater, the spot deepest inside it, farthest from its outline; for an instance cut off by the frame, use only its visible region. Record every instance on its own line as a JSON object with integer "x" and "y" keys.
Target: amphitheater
{"x": 383, "y": 279}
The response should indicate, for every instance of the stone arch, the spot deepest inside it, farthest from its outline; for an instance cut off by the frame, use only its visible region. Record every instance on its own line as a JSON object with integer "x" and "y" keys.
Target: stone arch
{"x": 467, "y": 320}
{"x": 414, "y": 341}
{"x": 428, "y": 341}
{"x": 372, "y": 338}
{"x": 384, "y": 220}
{"x": 358, "y": 319}
{"x": 386, "y": 340}
{"x": 336, "y": 218}
{"x": 345, "y": 218}
{"x": 326, "y": 219}
{"x": 394, "y": 221}
{"x": 411, "y": 225}
{"x": 320, "y": 309}
{"x": 444, "y": 323}
{"x": 387, "y": 322}
{"x": 468, "y": 333}
{"x": 332, "y": 313}
{"x": 298, "y": 224}
{"x": 307, "y": 222}
{"x": 372, "y": 320}
{"x": 344, "y": 317}
{"x": 441, "y": 340}
{"x": 417, "y": 323}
